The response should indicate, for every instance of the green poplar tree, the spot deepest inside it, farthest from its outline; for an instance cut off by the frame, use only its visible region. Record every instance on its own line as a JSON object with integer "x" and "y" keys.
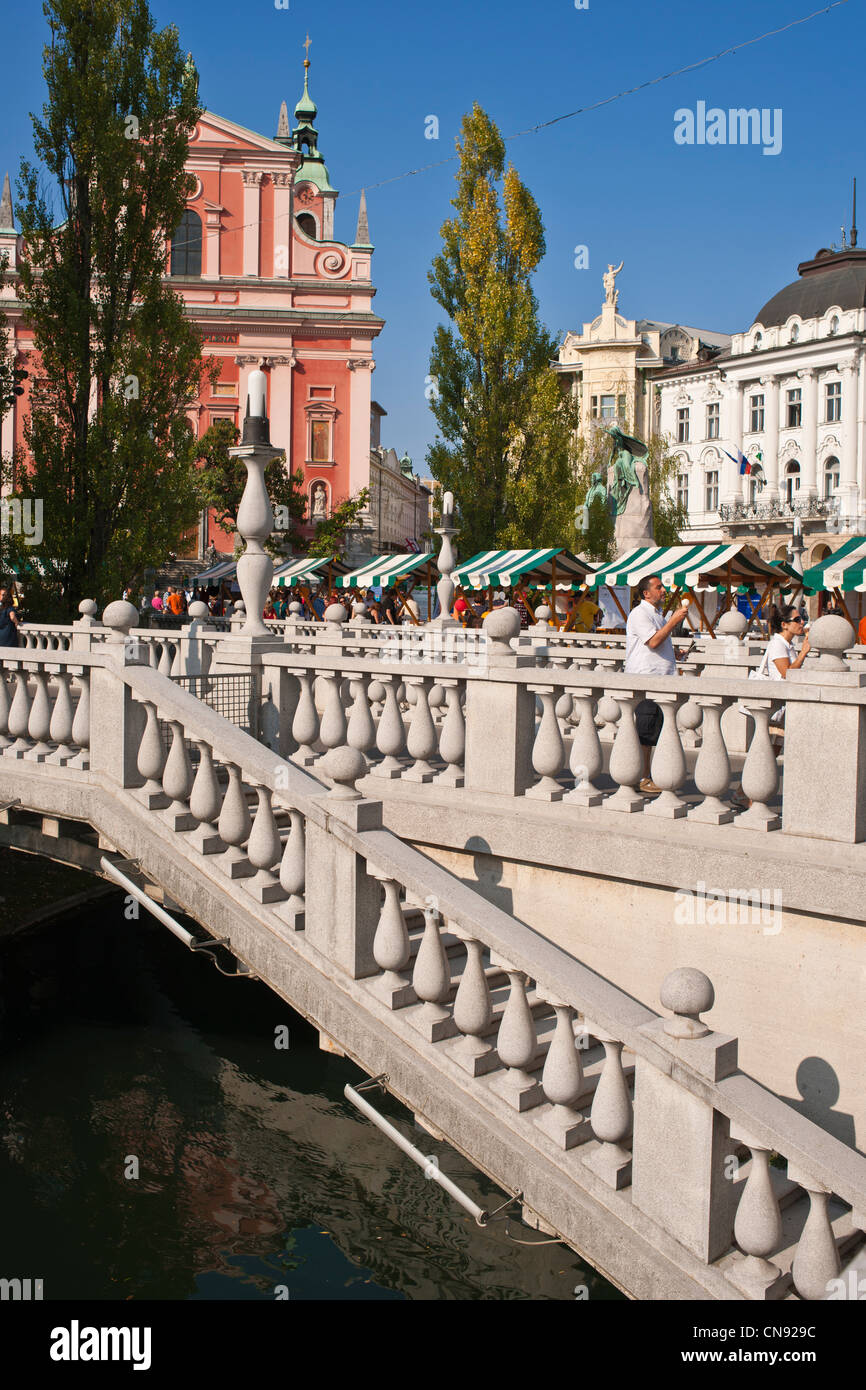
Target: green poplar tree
{"x": 222, "y": 480}
{"x": 112, "y": 449}
{"x": 506, "y": 426}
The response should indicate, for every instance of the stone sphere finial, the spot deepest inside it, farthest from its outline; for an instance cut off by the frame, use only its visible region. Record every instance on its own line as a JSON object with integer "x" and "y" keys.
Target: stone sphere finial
{"x": 344, "y": 766}
{"x": 87, "y": 608}
{"x": 733, "y": 623}
{"x": 687, "y": 993}
{"x": 831, "y": 636}
{"x": 198, "y": 610}
{"x": 295, "y": 609}
{"x": 335, "y": 613}
{"x": 121, "y": 617}
{"x": 502, "y": 625}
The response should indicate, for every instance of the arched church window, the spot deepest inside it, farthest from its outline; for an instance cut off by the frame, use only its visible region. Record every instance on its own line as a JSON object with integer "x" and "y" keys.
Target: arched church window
{"x": 186, "y": 245}
{"x": 307, "y": 223}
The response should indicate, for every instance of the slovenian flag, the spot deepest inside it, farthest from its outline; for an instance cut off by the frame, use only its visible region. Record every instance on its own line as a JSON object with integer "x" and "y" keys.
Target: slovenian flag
{"x": 741, "y": 460}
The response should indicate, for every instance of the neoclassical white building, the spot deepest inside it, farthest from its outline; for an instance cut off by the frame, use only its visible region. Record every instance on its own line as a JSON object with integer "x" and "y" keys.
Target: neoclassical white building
{"x": 790, "y": 394}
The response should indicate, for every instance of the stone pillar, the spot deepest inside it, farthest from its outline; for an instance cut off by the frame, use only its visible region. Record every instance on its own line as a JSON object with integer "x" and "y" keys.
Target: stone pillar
{"x": 343, "y": 901}
{"x": 360, "y": 390}
{"x": 680, "y": 1142}
{"x": 500, "y": 717}
{"x": 115, "y": 718}
{"x": 809, "y": 434}
{"x": 771, "y": 435}
{"x": 834, "y": 807}
{"x": 252, "y": 220}
{"x": 211, "y": 248}
{"x": 731, "y": 495}
{"x": 848, "y": 476}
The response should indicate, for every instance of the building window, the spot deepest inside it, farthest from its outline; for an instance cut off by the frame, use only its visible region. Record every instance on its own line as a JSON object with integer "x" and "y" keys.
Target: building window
{"x": 307, "y": 223}
{"x": 792, "y": 480}
{"x": 593, "y": 401}
{"x": 795, "y": 408}
{"x": 713, "y": 420}
{"x": 608, "y": 407}
{"x": 831, "y": 476}
{"x": 834, "y": 401}
{"x": 756, "y": 414}
{"x": 711, "y": 479}
{"x": 186, "y": 245}
{"x": 756, "y": 482}
{"x": 620, "y": 407}
{"x": 683, "y": 491}
{"x": 683, "y": 425}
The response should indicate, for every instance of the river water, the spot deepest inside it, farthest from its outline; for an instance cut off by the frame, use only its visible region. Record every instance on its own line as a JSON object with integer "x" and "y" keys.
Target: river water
{"x": 155, "y": 1142}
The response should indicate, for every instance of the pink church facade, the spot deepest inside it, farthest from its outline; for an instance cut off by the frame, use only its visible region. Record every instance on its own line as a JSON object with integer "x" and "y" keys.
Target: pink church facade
{"x": 266, "y": 284}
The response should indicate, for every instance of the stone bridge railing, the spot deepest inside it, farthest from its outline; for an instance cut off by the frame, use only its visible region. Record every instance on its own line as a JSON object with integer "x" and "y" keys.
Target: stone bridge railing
{"x": 621, "y": 1129}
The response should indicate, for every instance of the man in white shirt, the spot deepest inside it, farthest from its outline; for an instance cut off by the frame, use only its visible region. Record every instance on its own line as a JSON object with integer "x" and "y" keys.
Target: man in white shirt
{"x": 649, "y": 651}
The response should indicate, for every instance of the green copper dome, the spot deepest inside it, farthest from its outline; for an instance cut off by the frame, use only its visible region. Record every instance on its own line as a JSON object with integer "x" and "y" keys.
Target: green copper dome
{"x": 304, "y": 139}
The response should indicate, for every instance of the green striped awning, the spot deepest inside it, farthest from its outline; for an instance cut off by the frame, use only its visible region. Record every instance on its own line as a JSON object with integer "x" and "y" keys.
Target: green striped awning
{"x": 385, "y": 569}
{"x": 226, "y": 569}
{"x": 682, "y": 566}
{"x": 502, "y": 568}
{"x": 845, "y": 569}
{"x": 307, "y": 571}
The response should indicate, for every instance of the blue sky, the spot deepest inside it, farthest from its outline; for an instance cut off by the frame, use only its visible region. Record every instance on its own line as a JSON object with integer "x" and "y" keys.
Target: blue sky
{"x": 707, "y": 233}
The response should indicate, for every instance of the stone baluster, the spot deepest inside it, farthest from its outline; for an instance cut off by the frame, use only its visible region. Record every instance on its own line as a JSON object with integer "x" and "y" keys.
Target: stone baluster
{"x": 758, "y": 1223}
{"x": 586, "y": 759}
{"x": 563, "y": 1083}
{"x": 816, "y": 1259}
{"x": 611, "y": 1117}
{"x": 361, "y": 730}
{"x": 391, "y": 950}
{"x": 151, "y": 761}
{"x": 332, "y": 731}
{"x": 81, "y": 723}
{"x": 39, "y": 722}
{"x": 517, "y": 1045}
{"x": 452, "y": 737}
{"x": 391, "y": 735}
{"x": 421, "y": 739}
{"x": 177, "y": 781}
{"x": 165, "y": 660}
{"x": 264, "y": 852}
{"x": 154, "y": 649}
{"x": 548, "y": 750}
{"x": 668, "y": 767}
{"x": 473, "y": 1014}
{"x": 19, "y": 716}
{"x": 205, "y": 802}
{"x": 305, "y": 725}
{"x": 760, "y": 779}
{"x": 713, "y": 766}
{"x": 60, "y": 728}
{"x": 234, "y": 827}
{"x": 177, "y": 659}
{"x": 5, "y": 703}
{"x": 431, "y": 981}
{"x": 626, "y": 759}
{"x": 293, "y": 875}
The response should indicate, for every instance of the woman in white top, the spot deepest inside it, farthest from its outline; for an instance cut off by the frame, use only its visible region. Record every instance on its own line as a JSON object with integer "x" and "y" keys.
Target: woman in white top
{"x": 781, "y": 653}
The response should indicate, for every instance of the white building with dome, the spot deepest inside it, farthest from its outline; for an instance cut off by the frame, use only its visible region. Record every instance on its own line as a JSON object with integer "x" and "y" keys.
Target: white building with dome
{"x": 790, "y": 394}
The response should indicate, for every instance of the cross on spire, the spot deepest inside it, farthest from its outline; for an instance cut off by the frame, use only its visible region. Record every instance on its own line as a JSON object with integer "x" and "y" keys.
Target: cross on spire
{"x": 306, "y": 46}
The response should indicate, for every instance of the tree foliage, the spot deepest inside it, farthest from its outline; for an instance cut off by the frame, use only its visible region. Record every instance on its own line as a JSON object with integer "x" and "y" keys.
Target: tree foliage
{"x": 222, "y": 481}
{"x": 112, "y": 449}
{"x": 506, "y": 426}
{"x": 331, "y": 534}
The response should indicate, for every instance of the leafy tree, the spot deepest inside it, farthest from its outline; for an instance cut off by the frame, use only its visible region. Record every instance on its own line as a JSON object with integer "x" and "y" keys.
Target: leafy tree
{"x": 506, "y": 426}
{"x": 222, "y": 481}
{"x": 7, "y": 364}
{"x": 331, "y": 534}
{"x": 112, "y": 451}
{"x": 670, "y": 519}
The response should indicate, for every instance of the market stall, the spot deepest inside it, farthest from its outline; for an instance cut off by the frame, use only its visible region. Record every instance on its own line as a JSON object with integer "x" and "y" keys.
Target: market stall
{"x": 524, "y": 572}
{"x": 695, "y": 570}
{"x": 393, "y": 571}
{"x": 843, "y": 574}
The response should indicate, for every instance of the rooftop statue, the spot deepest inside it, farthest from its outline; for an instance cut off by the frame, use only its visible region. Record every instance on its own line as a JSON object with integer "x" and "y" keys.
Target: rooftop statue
{"x": 611, "y": 293}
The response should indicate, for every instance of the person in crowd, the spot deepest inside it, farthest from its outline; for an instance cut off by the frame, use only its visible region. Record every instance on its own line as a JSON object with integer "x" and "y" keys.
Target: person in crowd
{"x": 317, "y": 604}
{"x": 586, "y": 612}
{"x": 372, "y": 603}
{"x": 281, "y": 602}
{"x": 156, "y": 601}
{"x": 464, "y": 611}
{"x": 649, "y": 650}
{"x": 497, "y": 603}
{"x": 8, "y": 619}
{"x": 176, "y": 604}
{"x": 388, "y": 606}
{"x": 520, "y": 607}
{"x": 411, "y": 611}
